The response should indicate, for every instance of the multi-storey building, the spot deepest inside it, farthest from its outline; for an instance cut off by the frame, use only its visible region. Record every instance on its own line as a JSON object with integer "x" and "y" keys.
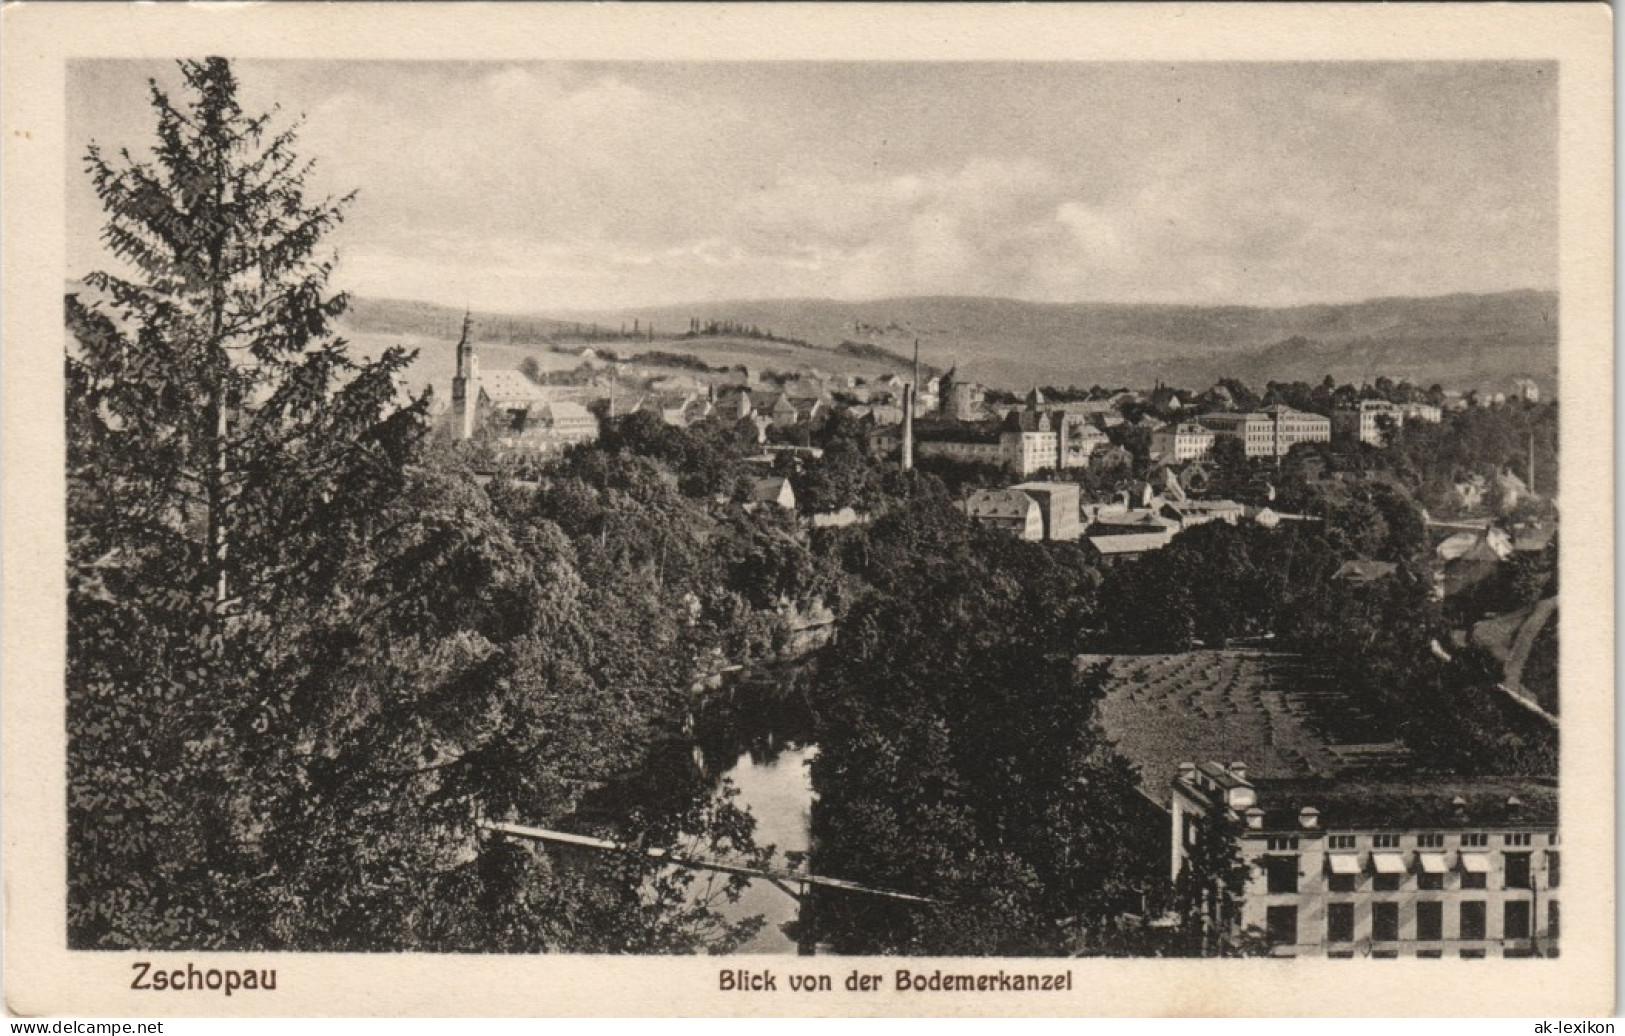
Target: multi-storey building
{"x": 1270, "y": 432}
{"x": 1181, "y": 442}
{"x": 1059, "y": 504}
{"x": 1008, "y": 509}
{"x": 1029, "y": 439}
{"x": 1367, "y": 421}
{"x": 1412, "y": 867}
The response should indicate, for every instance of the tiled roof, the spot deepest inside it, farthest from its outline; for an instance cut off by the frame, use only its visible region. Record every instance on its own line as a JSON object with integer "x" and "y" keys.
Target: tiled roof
{"x": 564, "y": 410}
{"x": 1411, "y": 802}
{"x": 1129, "y": 543}
{"x": 1361, "y": 571}
{"x": 767, "y": 490}
{"x": 507, "y": 386}
{"x": 1258, "y": 707}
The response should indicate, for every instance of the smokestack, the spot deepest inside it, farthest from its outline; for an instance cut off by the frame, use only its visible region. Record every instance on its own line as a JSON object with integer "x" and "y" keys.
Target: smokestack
{"x": 908, "y": 428}
{"x": 1531, "y": 462}
{"x": 917, "y": 375}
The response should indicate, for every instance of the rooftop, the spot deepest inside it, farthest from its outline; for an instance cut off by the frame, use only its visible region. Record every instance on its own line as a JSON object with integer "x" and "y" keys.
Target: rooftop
{"x": 1266, "y": 708}
{"x": 1129, "y": 543}
{"x": 1451, "y": 803}
{"x": 506, "y": 386}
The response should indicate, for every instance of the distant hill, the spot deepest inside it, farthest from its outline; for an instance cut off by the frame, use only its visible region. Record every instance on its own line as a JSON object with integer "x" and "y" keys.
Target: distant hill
{"x": 1460, "y": 341}
{"x": 506, "y": 341}
{"x": 1466, "y": 341}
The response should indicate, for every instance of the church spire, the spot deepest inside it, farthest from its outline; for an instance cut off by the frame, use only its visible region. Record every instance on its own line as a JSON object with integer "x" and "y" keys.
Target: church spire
{"x": 464, "y": 348}
{"x": 465, "y": 384}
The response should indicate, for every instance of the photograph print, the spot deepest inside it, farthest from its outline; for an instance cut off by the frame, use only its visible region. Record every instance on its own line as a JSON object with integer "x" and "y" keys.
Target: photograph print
{"x": 979, "y": 509}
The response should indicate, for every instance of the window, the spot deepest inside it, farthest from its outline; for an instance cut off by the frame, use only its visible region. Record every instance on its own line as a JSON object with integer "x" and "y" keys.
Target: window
{"x": 1385, "y": 922}
{"x": 1384, "y": 954}
{"x": 1517, "y": 870}
{"x": 1281, "y": 924}
{"x": 1340, "y": 922}
{"x": 1284, "y": 844}
{"x": 1475, "y": 869}
{"x": 1551, "y": 920}
{"x": 1515, "y": 920}
{"x": 1340, "y": 955}
{"x": 1340, "y": 841}
{"x": 1472, "y": 954}
{"x": 1429, "y": 921}
{"x": 1429, "y": 881}
{"x": 1475, "y": 841}
{"x": 1281, "y": 873}
{"x": 1344, "y": 882}
{"x": 1518, "y": 839}
{"x": 1385, "y": 841}
{"x": 1472, "y": 919}
{"x": 1430, "y": 954}
{"x": 1553, "y": 874}
{"x": 1386, "y": 882}
{"x": 1433, "y": 841}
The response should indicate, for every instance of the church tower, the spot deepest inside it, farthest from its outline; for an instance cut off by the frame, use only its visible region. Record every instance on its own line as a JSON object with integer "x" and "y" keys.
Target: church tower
{"x": 465, "y": 384}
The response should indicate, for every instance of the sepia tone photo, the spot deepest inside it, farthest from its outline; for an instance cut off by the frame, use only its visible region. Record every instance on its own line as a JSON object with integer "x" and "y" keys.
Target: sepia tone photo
{"x": 1007, "y": 517}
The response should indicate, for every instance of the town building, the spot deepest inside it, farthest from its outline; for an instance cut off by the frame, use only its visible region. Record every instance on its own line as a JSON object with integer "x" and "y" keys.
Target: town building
{"x": 1408, "y": 866}
{"x": 1107, "y": 550}
{"x": 959, "y": 399}
{"x": 1181, "y": 442}
{"x": 1009, "y": 509}
{"x": 1188, "y": 513}
{"x": 1270, "y": 432}
{"x": 1058, "y": 502}
{"x": 1100, "y": 413}
{"x": 770, "y": 492}
{"x": 507, "y": 408}
{"x": 1029, "y": 439}
{"x": 967, "y": 444}
{"x": 1420, "y": 412}
{"x": 1368, "y": 420}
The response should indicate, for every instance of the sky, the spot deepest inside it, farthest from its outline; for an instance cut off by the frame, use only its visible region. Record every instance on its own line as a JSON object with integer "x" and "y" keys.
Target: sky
{"x": 546, "y": 187}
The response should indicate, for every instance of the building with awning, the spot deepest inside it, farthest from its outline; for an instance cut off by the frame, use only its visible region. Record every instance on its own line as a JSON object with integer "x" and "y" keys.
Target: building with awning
{"x": 1397, "y": 866}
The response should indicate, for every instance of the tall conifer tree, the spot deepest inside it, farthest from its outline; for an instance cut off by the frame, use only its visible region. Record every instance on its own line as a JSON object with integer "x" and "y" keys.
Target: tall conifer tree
{"x": 221, "y": 440}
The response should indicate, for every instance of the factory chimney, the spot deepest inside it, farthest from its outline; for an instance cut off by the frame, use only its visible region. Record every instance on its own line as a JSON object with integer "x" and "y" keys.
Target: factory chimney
{"x": 908, "y": 428}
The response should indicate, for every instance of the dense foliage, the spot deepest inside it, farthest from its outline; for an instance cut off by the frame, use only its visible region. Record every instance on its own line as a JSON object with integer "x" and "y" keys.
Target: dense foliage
{"x": 307, "y": 653}
{"x": 959, "y": 754}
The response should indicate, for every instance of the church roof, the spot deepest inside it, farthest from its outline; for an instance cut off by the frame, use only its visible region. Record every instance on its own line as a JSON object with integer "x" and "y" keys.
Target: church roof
{"x": 509, "y": 386}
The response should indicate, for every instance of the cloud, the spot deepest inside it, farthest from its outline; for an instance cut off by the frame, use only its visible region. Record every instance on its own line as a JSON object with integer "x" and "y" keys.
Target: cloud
{"x": 558, "y": 185}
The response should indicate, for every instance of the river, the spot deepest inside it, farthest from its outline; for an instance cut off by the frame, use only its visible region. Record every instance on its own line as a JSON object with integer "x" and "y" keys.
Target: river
{"x": 776, "y": 787}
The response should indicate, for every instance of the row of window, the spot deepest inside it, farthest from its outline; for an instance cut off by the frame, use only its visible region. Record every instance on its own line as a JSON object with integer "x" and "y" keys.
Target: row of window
{"x": 1466, "y": 953}
{"x": 1281, "y": 922}
{"x": 1432, "y": 840}
{"x": 1281, "y": 875}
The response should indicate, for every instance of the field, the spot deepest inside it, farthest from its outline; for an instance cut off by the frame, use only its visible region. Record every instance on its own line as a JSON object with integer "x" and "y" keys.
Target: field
{"x": 436, "y": 360}
{"x": 1266, "y": 709}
